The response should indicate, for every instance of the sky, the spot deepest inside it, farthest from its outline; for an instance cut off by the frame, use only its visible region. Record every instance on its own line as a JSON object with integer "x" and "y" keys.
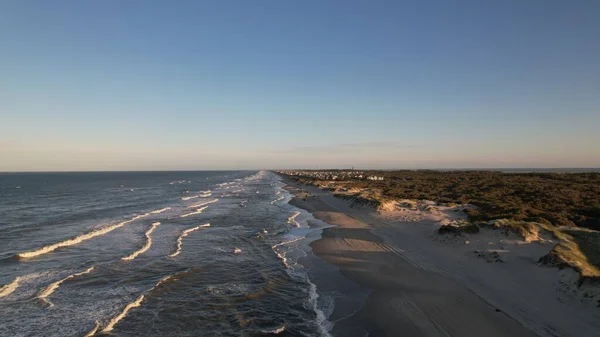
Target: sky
{"x": 195, "y": 85}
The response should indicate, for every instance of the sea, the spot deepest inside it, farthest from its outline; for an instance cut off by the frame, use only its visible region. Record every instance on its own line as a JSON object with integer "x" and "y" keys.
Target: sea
{"x": 156, "y": 254}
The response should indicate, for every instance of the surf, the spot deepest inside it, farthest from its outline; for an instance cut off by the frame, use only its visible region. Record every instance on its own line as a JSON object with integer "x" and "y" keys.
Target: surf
{"x": 292, "y": 219}
{"x": 8, "y": 289}
{"x": 203, "y": 194}
{"x": 85, "y": 237}
{"x": 146, "y": 246}
{"x": 138, "y": 302}
{"x": 204, "y": 203}
{"x": 198, "y": 211}
{"x": 276, "y": 331}
{"x": 49, "y": 290}
{"x": 183, "y": 235}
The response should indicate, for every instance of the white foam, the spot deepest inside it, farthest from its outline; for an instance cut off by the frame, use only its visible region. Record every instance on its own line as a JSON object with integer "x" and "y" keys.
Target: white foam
{"x": 138, "y": 302}
{"x": 203, "y": 194}
{"x": 283, "y": 259}
{"x": 8, "y": 289}
{"x": 288, "y": 242}
{"x": 292, "y": 219}
{"x": 183, "y": 235}
{"x": 274, "y": 331}
{"x": 203, "y": 203}
{"x": 94, "y": 330}
{"x": 276, "y": 200}
{"x": 158, "y": 211}
{"x": 123, "y": 313}
{"x": 53, "y": 286}
{"x": 282, "y": 256}
{"x": 323, "y": 323}
{"x": 85, "y": 237}
{"x": 146, "y": 246}
{"x": 198, "y": 211}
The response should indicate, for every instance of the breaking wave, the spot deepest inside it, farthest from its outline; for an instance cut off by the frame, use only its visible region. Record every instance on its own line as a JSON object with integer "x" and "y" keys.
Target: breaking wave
{"x": 198, "y": 211}
{"x": 203, "y": 194}
{"x": 123, "y": 313}
{"x": 281, "y": 255}
{"x": 111, "y": 324}
{"x": 292, "y": 219}
{"x": 276, "y": 331}
{"x": 204, "y": 203}
{"x": 146, "y": 246}
{"x": 53, "y": 286}
{"x": 183, "y": 235}
{"x": 84, "y": 237}
{"x": 94, "y": 330}
{"x": 8, "y": 289}
{"x": 323, "y": 323}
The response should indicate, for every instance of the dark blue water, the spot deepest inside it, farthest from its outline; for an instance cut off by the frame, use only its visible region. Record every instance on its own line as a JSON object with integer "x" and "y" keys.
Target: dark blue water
{"x": 154, "y": 254}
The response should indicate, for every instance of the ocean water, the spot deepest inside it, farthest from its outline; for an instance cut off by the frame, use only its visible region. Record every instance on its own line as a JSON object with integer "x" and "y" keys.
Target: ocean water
{"x": 155, "y": 254}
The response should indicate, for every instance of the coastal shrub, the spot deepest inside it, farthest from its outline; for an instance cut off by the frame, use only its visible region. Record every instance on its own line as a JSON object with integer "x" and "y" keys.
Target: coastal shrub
{"x": 562, "y": 199}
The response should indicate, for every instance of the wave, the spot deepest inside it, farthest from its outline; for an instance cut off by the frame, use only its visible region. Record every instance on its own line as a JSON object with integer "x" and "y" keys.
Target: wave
{"x": 123, "y": 313}
{"x": 274, "y": 331}
{"x": 183, "y": 235}
{"x": 323, "y": 323}
{"x": 52, "y": 287}
{"x": 138, "y": 302}
{"x": 292, "y": 219}
{"x": 146, "y": 246}
{"x": 158, "y": 211}
{"x": 282, "y": 256}
{"x": 198, "y": 211}
{"x": 178, "y": 182}
{"x": 203, "y": 194}
{"x": 8, "y": 289}
{"x": 94, "y": 330}
{"x": 204, "y": 203}
{"x": 276, "y": 200}
{"x": 288, "y": 242}
{"x": 84, "y": 237}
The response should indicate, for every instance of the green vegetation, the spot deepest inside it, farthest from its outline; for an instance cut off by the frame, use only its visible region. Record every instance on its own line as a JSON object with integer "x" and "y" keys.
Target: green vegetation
{"x": 561, "y": 199}
{"x": 567, "y": 205}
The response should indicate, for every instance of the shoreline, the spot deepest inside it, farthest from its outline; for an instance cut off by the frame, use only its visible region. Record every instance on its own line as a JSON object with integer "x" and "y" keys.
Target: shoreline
{"x": 403, "y": 299}
{"x": 420, "y": 284}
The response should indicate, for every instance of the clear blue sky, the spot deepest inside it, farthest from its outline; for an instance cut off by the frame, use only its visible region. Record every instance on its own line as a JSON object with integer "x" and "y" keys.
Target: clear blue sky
{"x": 128, "y": 85}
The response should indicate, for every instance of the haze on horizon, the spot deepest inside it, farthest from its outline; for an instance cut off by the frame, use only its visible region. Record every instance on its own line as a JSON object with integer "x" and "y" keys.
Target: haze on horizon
{"x": 144, "y": 85}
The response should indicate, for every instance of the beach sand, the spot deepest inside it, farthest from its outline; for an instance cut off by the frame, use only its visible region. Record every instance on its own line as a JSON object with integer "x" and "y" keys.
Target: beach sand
{"x": 421, "y": 284}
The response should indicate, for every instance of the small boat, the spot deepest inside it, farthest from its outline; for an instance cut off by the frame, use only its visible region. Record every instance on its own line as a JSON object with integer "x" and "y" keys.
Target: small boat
{"x": 237, "y": 251}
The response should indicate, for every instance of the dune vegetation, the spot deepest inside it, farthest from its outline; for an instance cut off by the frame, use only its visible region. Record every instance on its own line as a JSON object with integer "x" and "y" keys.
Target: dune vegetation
{"x": 566, "y": 205}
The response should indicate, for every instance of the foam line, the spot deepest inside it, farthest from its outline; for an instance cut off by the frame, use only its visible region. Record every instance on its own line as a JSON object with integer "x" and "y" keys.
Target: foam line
{"x": 123, "y": 313}
{"x": 287, "y": 242}
{"x": 84, "y": 237}
{"x": 183, "y": 235}
{"x": 94, "y": 330}
{"x": 8, "y": 289}
{"x": 321, "y": 319}
{"x": 138, "y": 302}
{"x": 204, "y": 203}
{"x": 203, "y": 194}
{"x": 276, "y": 200}
{"x": 274, "y": 331}
{"x": 292, "y": 219}
{"x": 198, "y": 211}
{"x": 158, "y": 211}
{"x": 146, "y": 246}
{"x": 53, "y": 286}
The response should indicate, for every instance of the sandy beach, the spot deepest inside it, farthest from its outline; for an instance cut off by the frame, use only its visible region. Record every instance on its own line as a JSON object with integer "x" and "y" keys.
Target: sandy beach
{"x": 424, "y": 284}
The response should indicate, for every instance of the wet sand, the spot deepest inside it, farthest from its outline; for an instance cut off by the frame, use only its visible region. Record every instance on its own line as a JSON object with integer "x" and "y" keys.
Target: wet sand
{"x": 404, "y": 300}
